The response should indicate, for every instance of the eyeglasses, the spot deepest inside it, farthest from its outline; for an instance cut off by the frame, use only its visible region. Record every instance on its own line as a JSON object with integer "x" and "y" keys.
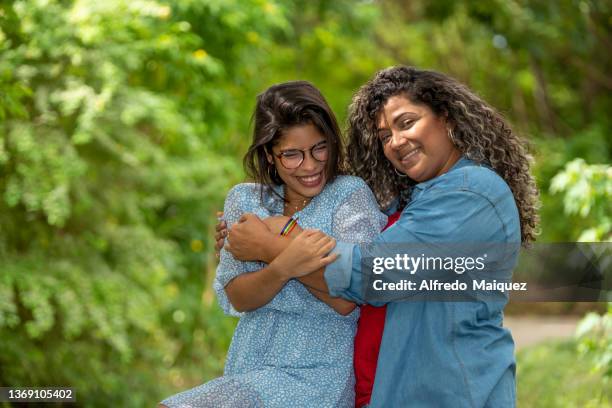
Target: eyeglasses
{"x": 293, "y": 158}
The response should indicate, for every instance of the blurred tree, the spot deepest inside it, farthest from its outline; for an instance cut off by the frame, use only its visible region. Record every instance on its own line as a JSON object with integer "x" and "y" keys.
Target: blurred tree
{"x": 114, "y": 116}
{"x": 588, "y": 194}
{"x": 595, "y": 341}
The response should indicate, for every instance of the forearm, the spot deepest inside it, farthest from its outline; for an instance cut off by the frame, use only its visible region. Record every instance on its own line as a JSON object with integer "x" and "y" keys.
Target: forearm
{"x": 273, "y": 246}
{"x": 253, "y": 290}
{"x": 315, "y": 283}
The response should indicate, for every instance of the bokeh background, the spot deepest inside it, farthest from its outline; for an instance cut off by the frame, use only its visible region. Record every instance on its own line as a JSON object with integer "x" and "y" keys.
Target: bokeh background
{"x": 123, "y": 124}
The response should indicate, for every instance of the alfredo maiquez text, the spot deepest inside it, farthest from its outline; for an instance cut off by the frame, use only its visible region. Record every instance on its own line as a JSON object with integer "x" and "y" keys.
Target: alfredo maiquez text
{"x": 435, "y": 285}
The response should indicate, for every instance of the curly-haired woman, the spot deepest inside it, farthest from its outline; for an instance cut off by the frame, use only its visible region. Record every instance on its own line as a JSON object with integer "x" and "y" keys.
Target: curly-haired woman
{"x": 431, "y": 149}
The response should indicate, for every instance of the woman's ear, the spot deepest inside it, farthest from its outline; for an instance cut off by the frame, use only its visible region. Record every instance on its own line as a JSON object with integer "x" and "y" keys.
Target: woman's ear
{"x": 450, "y": 124}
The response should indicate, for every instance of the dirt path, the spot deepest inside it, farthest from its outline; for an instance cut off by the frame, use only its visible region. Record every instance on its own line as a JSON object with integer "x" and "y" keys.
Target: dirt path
{"x": 530, "y": 330}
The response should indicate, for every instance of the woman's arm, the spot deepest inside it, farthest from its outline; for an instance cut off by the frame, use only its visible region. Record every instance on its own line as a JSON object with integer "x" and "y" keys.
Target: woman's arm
{"x": 252, "y": 236}
{"x": 455, "y": 217}
{"x": 357, "y": 219}
{"x": 253, "y": 239}
{"x": 253, "y": 290}
{"x": 315, "y": 283}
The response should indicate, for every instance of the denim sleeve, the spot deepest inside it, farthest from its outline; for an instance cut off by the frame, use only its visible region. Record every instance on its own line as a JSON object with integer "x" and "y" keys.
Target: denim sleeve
{"x": 338, "y": 275}
{"x": 448, "y": 216}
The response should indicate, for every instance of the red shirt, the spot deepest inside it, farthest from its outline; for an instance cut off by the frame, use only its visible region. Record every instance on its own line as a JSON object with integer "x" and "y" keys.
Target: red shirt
{"x": 367, "y": 343}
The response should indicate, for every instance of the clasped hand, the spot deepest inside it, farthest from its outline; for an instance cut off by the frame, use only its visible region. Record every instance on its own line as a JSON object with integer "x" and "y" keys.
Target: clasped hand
{"x": 250, "y": 237}
{"x": 245, "y": 237}
{"x": 307, "y": 253}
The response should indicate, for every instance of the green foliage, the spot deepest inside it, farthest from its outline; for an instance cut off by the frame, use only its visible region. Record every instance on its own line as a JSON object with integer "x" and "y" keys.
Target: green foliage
{"x": 108, "y": 180}
{"x": 588, "y": 193}
{"x": 595, "y": 334}
{"x": 550, "y": 375}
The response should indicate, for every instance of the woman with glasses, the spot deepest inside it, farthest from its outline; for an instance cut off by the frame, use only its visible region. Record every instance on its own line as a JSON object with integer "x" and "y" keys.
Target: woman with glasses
{"x": 293, "y": 345}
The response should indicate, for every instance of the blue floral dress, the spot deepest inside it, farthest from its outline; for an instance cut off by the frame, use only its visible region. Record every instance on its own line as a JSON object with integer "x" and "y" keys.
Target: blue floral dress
{"x": 295, "y": 351}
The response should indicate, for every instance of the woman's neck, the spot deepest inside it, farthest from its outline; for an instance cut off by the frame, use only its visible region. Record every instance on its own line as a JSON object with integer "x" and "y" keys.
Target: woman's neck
{"x": 294, "y": 202}
{"x": 453, "y": 158}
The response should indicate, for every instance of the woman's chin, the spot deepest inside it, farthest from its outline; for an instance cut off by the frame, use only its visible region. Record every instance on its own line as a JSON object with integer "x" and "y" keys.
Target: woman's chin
{"x": 419, "y": 172}
{"x": 409, "y": 171}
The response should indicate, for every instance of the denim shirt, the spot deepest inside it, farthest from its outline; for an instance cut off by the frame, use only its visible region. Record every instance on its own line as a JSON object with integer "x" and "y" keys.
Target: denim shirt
{"x": 442, "y": 354}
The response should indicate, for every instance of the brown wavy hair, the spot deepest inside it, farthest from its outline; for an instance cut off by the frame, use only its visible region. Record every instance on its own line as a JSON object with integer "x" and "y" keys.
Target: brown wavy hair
{"x": 479, "y": 132}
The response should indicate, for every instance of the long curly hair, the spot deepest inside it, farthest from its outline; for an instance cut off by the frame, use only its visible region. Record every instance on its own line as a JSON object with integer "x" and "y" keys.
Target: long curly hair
{"x": 479, "y": 132}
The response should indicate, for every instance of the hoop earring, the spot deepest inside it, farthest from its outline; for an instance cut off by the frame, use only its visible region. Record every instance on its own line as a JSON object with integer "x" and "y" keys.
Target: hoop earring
{"x": 398, "y": 173}
{"x": 451, "y": 135}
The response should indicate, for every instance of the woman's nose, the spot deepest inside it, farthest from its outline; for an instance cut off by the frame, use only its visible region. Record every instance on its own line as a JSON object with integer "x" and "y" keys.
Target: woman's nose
{"x": 309, "y": 162}
{"x": 397, "y": 140}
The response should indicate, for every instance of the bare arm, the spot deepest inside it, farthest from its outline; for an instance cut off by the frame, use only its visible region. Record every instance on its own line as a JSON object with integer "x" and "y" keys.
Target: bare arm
{"x": 315, "y": 283}
{"x": 253, "y": 290}
{"x": 254, "y": 238}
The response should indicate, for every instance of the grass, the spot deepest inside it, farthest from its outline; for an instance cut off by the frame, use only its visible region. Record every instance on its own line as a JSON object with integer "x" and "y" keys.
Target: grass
{"x": 554, "y": 374}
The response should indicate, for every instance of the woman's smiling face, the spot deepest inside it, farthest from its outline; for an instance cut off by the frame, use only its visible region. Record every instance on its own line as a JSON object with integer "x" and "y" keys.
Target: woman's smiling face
{"x": 308, "y": 179}
{"x": 415, "y": 140}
